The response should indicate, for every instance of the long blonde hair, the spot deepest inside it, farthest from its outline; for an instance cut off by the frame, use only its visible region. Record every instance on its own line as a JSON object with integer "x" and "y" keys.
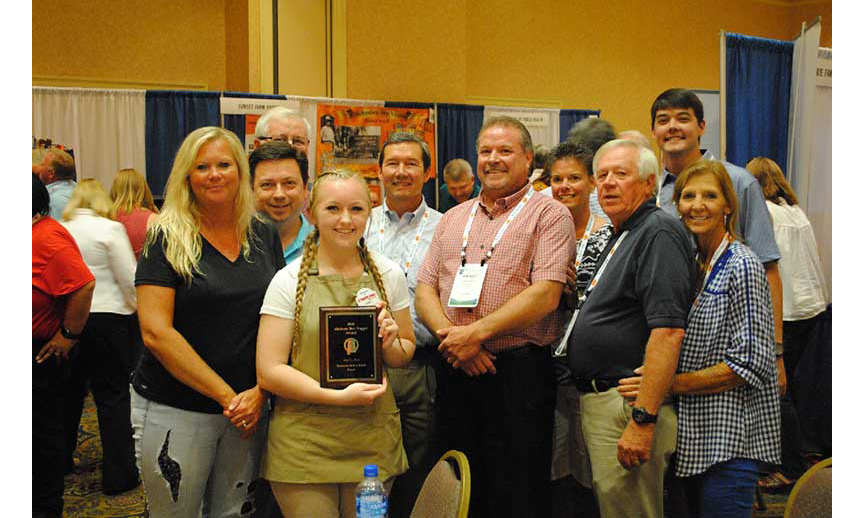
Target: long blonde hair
{"x": 179, "y": 221}
{"x": 88, "y": 194}
{"x": 310, "y": 252}
{"x": 129, "y": 192}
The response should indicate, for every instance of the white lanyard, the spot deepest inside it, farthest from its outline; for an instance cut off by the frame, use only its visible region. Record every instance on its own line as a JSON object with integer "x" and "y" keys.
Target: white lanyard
{"x": 562, "y": 346}
{"x": 717, "y": 253}
{"x": 406, "y": 262}
{"x": 583, "y": 244}
{"x": 510, "y": 218}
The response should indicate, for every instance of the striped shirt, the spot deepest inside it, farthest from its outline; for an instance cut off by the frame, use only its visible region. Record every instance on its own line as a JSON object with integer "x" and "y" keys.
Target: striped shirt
{"x": 536, "y": 247}
{"x": 395, "y": 238}
{"x": 731, "y": 322}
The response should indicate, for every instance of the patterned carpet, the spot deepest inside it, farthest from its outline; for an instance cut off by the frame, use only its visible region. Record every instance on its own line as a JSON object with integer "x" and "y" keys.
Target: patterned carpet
{"x": 83, "y": 494}
{"x": 84, "y": 499}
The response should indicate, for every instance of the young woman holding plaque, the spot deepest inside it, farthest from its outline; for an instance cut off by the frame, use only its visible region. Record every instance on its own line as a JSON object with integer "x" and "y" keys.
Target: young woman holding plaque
{"x": 320, "y": 438}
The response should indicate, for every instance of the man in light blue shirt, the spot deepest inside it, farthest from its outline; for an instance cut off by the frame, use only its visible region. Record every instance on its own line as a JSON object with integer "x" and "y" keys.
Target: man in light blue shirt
{"x": 677, "y": 122}
{"x": 57, "y": 172}
{"x": 279, "y": 176}
{"x": 402, "y": 229}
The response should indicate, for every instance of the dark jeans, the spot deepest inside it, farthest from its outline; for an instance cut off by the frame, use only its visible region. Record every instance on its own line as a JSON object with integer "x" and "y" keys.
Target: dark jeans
{"x": 503, "y": 424}
{"x": 102, "y": 359}
{"x": 49, "y": 446}
{"x": 793, "y": 463}
{"x": 724, "y": 490}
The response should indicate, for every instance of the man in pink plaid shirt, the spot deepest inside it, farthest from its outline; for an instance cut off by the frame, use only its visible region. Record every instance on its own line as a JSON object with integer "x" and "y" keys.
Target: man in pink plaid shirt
{"x": 489, "y": 288}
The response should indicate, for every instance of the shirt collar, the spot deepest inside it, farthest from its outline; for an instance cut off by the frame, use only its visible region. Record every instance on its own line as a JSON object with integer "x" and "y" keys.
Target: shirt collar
{"x": 647, "y": 207}
{"x": 669, "y": 177}
{"x": 506, "y": 203}
{"x": 412, "y": 216}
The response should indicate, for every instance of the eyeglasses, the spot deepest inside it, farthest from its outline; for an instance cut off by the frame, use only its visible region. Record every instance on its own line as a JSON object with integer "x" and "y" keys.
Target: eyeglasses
{"x": 294, "y": 141}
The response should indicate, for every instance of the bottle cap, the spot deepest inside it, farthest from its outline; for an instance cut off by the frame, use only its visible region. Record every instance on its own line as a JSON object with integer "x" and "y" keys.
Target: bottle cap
{"x": 370, "y": 470}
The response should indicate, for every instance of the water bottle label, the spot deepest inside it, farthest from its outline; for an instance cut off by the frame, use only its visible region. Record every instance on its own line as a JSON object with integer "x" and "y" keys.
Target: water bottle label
{"x": 371, "y": 506}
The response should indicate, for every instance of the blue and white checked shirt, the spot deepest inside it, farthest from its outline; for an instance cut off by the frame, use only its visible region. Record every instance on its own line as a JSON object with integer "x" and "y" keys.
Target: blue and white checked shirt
{"x": 393, "y": 237}
{"x": 754, "y": 221}
{"x": 731, "y": 322}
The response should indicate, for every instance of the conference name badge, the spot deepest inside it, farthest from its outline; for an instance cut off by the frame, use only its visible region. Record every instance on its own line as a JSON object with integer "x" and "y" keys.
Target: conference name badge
{"x": 467, "y": 286}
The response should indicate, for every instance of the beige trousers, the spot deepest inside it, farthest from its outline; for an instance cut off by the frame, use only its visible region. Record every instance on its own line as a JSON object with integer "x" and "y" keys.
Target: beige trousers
{"x": 636, "y": 493}
{"x": 318, "y": 500}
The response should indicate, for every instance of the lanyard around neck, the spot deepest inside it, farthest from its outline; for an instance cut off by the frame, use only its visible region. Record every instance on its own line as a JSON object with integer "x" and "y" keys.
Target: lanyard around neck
{"x": 717, "y": 254}
{"x": 510, "y": 218}
{"x": 583, "y": 243}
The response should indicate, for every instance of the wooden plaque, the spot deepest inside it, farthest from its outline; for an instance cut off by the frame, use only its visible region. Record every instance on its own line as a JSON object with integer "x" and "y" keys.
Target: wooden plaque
{"x": 349, "y": 345}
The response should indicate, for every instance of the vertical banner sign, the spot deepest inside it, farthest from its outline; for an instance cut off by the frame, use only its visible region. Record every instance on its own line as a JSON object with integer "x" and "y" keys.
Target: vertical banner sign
{"x": 350, "y": 137}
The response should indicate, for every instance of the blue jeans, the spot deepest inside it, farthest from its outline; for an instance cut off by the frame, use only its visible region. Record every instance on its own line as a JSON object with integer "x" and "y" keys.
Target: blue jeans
{"x": 725, "y": 490}
{"x": 194, "y": 464}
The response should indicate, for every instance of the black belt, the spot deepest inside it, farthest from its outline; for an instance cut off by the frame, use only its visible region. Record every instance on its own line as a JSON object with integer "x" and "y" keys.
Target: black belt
{"x": 594, "y": 385}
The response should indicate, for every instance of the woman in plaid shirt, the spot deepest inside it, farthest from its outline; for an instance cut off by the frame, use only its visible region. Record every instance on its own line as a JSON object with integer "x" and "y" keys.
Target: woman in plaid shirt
{"x": 728, "y": 400}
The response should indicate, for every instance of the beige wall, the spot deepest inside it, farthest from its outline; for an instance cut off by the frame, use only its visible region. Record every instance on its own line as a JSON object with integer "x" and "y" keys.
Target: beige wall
{"x": 157, "y": 42}
{"x": 594, "y": 54}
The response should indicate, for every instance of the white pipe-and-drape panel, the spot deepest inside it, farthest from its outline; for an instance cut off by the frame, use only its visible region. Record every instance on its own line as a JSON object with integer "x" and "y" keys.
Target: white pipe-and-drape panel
{"x": 809, "y": 162}
{"x": 543, "y": 124}
{"x": 104, "y": 127}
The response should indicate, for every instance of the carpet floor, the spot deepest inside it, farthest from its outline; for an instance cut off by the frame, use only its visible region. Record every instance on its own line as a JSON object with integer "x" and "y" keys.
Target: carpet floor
{"x": 83, "y": 496}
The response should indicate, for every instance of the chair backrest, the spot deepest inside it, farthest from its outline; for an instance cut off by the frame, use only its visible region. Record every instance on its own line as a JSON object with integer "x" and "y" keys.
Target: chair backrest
{"x": 447, "y": 489}
{"x": 811, "y": 496}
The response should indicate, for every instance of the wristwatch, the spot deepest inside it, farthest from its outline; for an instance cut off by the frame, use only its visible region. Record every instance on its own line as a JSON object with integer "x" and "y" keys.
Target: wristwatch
{"x": 69, "y": 335}
{"x": 641, "y": 416}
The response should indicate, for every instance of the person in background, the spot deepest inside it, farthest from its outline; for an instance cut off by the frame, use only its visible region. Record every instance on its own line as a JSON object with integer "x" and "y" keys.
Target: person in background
{"x": 806, "y": 328}
{"x": 281, "y": 123}
{"x": 57, "y": 172}
{"x": 571, "y": 175}
{"x": 459, "y": 185}
{"x": 728, "y": 402}
{"x": 592, "y": 133}
{"x": 279, "y": 177}
{"x": 62, "y": 291}
{"x": 133, "y": 206}
{"x": 678, "y": 123}
{"x": 402, "y": 229}
{"x": 493, "y": 305}
{"x": 320, "y": 438}
{"x": 200, "y": 282}
{"x": 634, "y": 313}
{"x": 539, "y": 178}
{"x": 102, "y": 355}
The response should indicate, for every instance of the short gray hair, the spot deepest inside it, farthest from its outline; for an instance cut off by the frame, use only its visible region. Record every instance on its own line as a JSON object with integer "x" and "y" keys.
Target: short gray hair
{"x": 458, "y": 169}
{"x": 279, "y": 113}
{"x": 646, "y": 162}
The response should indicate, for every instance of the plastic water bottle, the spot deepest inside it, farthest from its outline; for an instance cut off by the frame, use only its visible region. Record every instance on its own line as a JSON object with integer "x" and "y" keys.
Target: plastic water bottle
{"x": 371, "y": 497}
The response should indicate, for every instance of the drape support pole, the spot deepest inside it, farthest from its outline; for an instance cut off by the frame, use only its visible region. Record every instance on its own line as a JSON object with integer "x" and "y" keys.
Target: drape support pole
{"x": 790, "y": 155}
{"x": 813, "y": 23}
{"x": 723, "y": 94}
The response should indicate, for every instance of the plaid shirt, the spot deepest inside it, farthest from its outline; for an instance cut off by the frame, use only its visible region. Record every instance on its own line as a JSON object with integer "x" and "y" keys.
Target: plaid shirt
{"x": 731, "y": 322}
{"x": 536, "y": 247}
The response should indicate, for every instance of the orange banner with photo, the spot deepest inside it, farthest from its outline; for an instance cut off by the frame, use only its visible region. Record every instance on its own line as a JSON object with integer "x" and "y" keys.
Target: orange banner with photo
{"x": 350, "y": 137}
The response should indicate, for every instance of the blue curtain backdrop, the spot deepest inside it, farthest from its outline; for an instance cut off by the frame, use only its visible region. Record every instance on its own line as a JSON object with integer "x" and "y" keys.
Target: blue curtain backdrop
{"x": 458, "y": 127}
{"x": 758, "y": 80}
{"x": 568, "y": 118}
{"x": 428, "y": 187}
{"x": 170, "y": 116}
{"x": 237, "y": 123}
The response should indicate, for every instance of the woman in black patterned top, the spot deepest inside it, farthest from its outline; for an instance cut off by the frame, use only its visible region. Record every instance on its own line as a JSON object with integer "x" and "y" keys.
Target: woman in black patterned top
{"x": 571, "y": 175}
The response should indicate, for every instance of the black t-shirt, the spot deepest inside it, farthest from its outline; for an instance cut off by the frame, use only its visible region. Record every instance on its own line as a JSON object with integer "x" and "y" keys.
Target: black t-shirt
{"x": 217, "y": 314}
{"x": 647, "y": 284}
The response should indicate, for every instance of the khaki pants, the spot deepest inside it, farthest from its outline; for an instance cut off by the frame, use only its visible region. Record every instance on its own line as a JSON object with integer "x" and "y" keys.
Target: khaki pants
{"x": 620, "y": 492}
{"x": 318, "y": 500}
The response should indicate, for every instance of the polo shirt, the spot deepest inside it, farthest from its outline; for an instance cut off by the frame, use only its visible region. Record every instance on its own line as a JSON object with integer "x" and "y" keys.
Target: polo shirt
{"x": 754, "y": 222}
{"x": 646, "y": 284}
{"x": 59, "y": 193}
{"x": 537, "y": 246}
{"x": 295, "y": 249}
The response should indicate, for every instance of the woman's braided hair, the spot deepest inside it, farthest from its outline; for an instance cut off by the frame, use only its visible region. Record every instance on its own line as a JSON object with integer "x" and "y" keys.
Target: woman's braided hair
{"x": 310, "y": 253}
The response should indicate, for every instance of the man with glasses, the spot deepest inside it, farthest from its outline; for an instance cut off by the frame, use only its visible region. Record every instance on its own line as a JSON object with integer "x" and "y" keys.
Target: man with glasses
{"x": 281, "y": 123}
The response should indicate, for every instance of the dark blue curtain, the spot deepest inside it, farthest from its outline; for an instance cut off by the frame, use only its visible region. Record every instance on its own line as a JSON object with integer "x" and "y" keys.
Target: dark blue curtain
{"x": 237, "y": 123}
{"x": 170, "y": 116}
{"x": 570, "y": 117}
{"x": 430, "y": 186}
{"x": 758, "y": 80}
{"x": 458, "y": 127}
